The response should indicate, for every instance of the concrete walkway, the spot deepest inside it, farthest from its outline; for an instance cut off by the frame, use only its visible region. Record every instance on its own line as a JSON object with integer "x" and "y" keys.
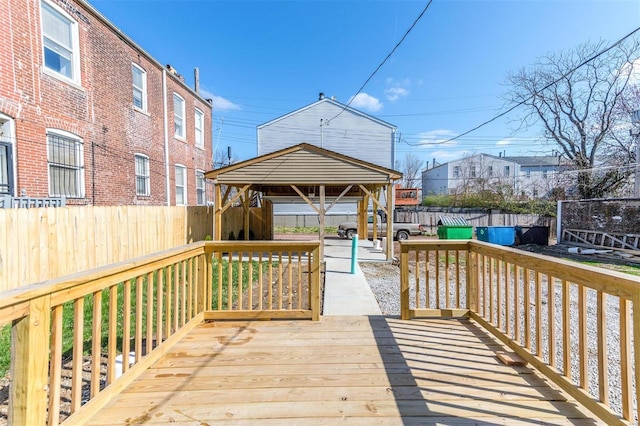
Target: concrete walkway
{"x": 346, "y": 293}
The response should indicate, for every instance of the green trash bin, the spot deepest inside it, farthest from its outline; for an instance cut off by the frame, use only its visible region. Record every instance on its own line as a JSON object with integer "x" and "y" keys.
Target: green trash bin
{"x": 454, "y": 228}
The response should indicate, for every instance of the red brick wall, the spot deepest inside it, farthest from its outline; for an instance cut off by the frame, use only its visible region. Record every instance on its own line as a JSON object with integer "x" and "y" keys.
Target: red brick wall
{"x": 99, "y": 110}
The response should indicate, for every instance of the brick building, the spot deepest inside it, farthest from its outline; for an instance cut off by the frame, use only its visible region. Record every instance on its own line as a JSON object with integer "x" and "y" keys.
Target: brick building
{"x": 87, "y": 114}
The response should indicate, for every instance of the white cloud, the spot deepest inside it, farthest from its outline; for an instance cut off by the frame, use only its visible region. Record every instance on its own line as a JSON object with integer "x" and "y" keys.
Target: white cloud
{"x": 444, "y": 156}
{"x": 219, "y": 103}
{"x": 395, "y": 93}
{"x": 366, "y": 102}
{"x": 437, "y": 137}
{"x": 504, "y": 142}
{"x": 397, "y": 89}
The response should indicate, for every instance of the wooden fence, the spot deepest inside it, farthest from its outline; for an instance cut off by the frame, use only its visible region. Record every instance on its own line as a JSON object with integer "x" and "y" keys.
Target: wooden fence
{"x": 45, "y": 243}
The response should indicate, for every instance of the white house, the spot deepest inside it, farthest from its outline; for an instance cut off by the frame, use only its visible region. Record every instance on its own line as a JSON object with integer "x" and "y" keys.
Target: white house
{"x": 331, "y": 125}
{"x": 531, "y": 176}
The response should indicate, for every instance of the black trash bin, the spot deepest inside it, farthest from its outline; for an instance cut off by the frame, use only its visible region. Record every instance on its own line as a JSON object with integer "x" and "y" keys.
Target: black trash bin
{"x": 532, "y": 235}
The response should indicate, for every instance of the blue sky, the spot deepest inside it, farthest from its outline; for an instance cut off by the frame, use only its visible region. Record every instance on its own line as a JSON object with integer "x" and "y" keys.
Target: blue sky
{"x": 259, "y": 60}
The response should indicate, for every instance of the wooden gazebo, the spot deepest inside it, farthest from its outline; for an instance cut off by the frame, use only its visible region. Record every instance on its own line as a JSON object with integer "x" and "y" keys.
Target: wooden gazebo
{"x": 322, "y": 178}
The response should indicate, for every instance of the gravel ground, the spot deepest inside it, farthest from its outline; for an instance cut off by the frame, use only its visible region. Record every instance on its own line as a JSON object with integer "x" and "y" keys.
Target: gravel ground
{"x": 384, "y": 280}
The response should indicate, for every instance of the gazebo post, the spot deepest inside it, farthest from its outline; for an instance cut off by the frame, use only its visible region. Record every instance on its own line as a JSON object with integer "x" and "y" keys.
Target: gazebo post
{"x": 390, "y": 207}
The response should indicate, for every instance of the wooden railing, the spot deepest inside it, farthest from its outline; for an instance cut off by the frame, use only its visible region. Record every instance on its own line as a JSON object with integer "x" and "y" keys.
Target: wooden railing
{"x": 80, "y": 339}
{"x": 575, "y": 323}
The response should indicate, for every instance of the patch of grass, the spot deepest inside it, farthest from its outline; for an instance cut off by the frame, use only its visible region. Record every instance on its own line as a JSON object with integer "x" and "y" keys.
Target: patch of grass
{"x": 304, "y": 230}
{"x": 235, "y": 287}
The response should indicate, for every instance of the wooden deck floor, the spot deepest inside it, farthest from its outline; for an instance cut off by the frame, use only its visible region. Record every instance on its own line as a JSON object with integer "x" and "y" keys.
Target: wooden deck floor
{"x": 354, "y": 370}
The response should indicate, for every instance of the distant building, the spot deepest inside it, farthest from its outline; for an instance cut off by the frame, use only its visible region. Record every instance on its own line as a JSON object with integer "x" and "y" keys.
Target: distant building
{"x": 331, "y": 125}
{"x": 526, "y": 176}
{"x": 87, "y": 114}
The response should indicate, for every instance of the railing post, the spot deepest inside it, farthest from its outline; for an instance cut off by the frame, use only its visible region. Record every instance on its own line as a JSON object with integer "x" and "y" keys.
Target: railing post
{"x": 404, "y": 283}
{"x": 472, "y": 280}
{"x": 202, "y": 282}
{"x": 29, "y": 365}
{"x": 636, "y": 346}
{"x": 315, "y": 284}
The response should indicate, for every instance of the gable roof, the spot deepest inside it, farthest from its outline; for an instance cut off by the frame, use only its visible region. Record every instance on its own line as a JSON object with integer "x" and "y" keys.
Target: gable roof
{"x": 534, "y": 161}
{"x": 332, "y": 102}
{"x": 303, "y": 164}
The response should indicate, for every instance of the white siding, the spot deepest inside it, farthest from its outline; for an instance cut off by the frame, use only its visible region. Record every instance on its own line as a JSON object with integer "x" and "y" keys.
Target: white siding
{"x": 352, "y": 134}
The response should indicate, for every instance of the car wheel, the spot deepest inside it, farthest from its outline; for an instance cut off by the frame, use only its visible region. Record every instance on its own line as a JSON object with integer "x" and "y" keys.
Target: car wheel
{"x": 402, "y": 235}
{"x": 350, "y": 233}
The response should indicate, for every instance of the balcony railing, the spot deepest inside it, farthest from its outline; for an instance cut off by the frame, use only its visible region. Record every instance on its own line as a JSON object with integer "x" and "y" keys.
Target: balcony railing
{"x": 575, "y": 323}
{"x": 84, "y": 337}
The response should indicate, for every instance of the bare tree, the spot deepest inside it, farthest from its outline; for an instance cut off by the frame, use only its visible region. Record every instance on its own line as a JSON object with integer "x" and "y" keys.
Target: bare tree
{"x": 224, "y": 157}
{"x": 411, "y": 167}
{"x": 578, "y": 98}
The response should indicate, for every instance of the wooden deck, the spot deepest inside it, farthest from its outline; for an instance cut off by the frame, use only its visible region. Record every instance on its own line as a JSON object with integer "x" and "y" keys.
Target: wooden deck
{"x": 354, "y": 370}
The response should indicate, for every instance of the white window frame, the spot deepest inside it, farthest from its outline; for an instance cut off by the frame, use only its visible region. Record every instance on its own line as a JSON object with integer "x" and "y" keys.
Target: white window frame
{"x": 49, "y": 43}
{"x": 456, "y": 171}
{"x": 145, "y": 176}
{"x": 179, "y": 115}
{"x": 472, "y": 171}
{"x": 199, "y": 128}
{"x": 201, "y": 186}
{"x": 142, "y": 90}
{"x": 79, "y": 175}
{"x": 507, "y": 171}
{"x": 182, "y": 170}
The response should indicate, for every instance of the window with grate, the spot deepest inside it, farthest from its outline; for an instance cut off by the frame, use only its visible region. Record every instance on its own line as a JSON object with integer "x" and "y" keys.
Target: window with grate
{"x": 66, "y": 165}
{"x": 142, "y": 175}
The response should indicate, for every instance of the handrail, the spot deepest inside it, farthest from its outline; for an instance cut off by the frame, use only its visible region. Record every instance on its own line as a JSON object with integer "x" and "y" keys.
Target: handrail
{"x": 128, "y": 314}
{"x": 553, "y": 313}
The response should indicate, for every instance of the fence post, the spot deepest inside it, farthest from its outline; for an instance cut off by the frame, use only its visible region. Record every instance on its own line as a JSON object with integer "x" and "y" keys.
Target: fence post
{"x": 30, "y": 365}
{"x": 472, "y": 280}
{"x": 315, "y": 284}
{"x": 404, "y": 283}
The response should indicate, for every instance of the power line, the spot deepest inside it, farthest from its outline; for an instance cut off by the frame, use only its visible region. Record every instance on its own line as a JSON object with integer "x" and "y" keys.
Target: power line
{"x": 385, "y": 60}
{"x": 536, "y": 92}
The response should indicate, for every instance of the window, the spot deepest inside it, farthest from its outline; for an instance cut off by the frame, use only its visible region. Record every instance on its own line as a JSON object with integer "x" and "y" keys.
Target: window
{"x": 456, "y": 171}
{"x": 528, "y": 174}
{"x": 544, "y": 174}
{"x": 472, "y": 171}
{"x": 201, "y": 198}
{"x": 66, "y": 165}
{"x": 181, "y": 185}
{"x": 535, "y": 192}
{"x": 139, "y": 87}
{"x": 178, "y": 116}
{"x": 142, "y": 175}
{"x": 507, "y": 170}
{"x": 490, "y": 171}
{"x": 60, "y": 43}
{"x": 199, "y": 129}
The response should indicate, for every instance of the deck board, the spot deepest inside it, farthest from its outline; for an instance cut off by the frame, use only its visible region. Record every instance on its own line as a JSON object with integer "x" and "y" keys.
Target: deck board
{"x": 352, "y": 370}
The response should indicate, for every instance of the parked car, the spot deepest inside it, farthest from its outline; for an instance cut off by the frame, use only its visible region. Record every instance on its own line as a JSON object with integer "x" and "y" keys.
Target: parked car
{"x": 401, "y": 231}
